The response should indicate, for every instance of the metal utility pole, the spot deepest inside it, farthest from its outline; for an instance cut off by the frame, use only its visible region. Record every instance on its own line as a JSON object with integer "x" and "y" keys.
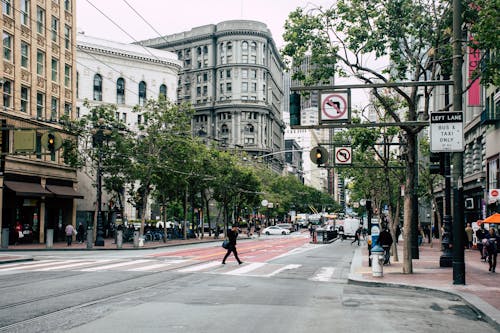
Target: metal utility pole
{"x": 458, "y": 191}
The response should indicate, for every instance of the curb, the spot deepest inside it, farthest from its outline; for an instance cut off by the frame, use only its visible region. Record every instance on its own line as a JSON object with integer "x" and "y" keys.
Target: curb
{"x": 13, "y": 260}
{"x": 483, "y": 310}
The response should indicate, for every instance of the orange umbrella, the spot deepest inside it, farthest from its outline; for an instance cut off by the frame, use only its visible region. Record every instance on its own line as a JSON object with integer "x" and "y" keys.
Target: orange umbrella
{"x": 495, "y": 218}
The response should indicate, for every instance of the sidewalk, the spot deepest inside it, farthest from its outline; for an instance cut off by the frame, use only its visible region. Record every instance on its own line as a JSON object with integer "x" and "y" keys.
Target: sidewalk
{"x": 482, "y": 289}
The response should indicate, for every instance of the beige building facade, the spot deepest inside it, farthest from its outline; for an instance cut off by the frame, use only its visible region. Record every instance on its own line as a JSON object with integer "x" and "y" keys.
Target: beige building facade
{"x": 38, "y": 190}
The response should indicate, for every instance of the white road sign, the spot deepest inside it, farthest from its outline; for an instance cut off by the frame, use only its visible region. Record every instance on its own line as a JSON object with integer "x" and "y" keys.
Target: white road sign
{"x": 447, "y": 132}
{"x": 343, "y": 155}
{"x": 334, "y": 106}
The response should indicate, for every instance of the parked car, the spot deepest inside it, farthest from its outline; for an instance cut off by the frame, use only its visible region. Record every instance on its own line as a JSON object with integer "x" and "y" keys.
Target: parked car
{"x": 288, "y": 226}
{"x": 275, "y": 230}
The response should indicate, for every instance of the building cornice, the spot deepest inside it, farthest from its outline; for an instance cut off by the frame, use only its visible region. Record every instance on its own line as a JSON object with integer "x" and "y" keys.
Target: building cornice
{"x": 125, "y": 55}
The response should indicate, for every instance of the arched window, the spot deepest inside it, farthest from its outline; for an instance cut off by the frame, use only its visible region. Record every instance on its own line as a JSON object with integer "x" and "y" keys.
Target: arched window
{"x": 163, "y": 91}
{"x": 224, "y": 129}
{"x": 244, "y": 46}
{"x": 142, "y": 93}
{"x": 253, "y": 47}
{"x": 97, "y": 87}
{"x": 120, "y": 91}
{"x": 249, "y": 128}
{"x": 229, "y": 48}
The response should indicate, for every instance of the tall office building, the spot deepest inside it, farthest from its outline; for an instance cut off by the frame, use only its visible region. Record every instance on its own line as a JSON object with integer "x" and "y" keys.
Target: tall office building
{"x": 233, "y": 76}
{"x": 38, "y": 71}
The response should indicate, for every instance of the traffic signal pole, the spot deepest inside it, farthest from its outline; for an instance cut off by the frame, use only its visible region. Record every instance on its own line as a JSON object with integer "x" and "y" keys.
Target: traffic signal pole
{"x": 458, "y": 192}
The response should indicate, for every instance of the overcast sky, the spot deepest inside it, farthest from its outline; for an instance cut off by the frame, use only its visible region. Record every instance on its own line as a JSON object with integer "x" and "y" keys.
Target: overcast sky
{"x": 169, "y": 17}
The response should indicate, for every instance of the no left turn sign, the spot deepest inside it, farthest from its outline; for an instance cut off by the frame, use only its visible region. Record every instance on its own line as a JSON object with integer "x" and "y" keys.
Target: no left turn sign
{"x": 343, "y": 155}
{"x": 334, "y": 106}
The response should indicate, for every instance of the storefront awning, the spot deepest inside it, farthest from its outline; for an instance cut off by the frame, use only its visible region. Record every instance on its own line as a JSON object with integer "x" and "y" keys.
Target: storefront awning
{"x": 64, "y": 191}
{"x": 27, "y": 189}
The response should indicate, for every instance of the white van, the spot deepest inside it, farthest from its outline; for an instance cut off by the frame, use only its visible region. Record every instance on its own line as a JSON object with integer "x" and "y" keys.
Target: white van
{"x": 350, "y": 227}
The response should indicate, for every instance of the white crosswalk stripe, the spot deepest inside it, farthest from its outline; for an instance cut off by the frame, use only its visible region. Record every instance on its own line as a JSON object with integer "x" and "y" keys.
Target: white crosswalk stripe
{"x": 251, "y": 269}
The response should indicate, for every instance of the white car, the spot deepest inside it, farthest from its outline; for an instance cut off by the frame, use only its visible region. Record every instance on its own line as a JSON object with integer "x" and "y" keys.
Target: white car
{"x": 275, "y": 230}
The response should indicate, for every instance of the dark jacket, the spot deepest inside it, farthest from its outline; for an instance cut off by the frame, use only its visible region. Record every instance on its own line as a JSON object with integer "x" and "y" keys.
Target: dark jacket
{"x": 232, "y": 235}
{"x": 385, "y": 238}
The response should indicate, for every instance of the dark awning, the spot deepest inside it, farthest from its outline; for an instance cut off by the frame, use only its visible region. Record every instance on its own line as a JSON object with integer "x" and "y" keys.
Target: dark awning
{"x": 27, "y": 189}
{"x": 64, "y": 191}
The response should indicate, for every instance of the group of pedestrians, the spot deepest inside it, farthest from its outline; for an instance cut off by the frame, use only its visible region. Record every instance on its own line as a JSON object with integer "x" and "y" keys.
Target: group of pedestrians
{"x": 488, "y": 244}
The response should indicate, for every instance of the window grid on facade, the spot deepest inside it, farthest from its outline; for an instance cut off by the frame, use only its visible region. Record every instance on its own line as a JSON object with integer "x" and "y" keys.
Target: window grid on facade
{"x": 67, "y": 76}
{"x": 97, "y": 87}
{"x": 7, "y": 46}
{"x": 40, "y": 104}
{"x": 54, "y": 27}
{"x": 67, "y": 109}
{"x": 40, "y": 20}
{"x": 25, "y": 12}
{"x": 25, "y": 51}
{"x": 7, "y": 94}
{"x": 67, "y": 37}
{"x": 25, "y": 95}
{"x": 142, "y": 93}
{"x": 120, "y": 91}
{"x": 163, "y": 90}
{"x": 54, "y": 105}
{"x": 40, "y": 63}
{"x": 55, "y": 65}
{"x": 6, "y": 7}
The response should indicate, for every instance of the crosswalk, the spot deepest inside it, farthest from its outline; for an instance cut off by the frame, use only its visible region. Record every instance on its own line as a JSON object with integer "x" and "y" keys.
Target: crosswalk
{"x": 254, "y": 269}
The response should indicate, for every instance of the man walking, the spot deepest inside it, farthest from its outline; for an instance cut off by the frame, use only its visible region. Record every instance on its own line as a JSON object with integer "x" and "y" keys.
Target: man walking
{"x": 385, "y": 240}
{"x": 232, "y": 234}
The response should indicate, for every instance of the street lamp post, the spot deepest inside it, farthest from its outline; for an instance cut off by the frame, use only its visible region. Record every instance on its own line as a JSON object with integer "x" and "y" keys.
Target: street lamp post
{"x": 98, "y": 138}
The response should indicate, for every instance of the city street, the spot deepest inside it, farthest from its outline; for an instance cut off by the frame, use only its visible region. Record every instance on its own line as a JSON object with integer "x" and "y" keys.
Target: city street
{"x": 285, "y": 284}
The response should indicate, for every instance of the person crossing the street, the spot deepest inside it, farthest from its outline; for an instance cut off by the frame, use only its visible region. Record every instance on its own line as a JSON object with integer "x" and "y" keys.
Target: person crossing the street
{"x": 232, "y": 234}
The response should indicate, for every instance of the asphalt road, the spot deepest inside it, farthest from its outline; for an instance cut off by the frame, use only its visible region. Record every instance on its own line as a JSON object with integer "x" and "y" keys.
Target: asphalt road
{"x": 285, "y": 285}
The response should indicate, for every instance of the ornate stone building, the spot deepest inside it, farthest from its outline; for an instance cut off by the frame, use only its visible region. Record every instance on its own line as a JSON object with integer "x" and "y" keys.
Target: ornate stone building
{"x": 124, "y": 75}
{"x": 233, "y": 76}
{"x": 38, "y": 69}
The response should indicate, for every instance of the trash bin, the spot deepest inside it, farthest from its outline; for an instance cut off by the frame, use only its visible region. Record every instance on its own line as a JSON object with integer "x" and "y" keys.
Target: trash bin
{"x": 136, "y": 238}
{"x": 377, "y": 258}
{"x": 49, "y": 239}
{"x": 119, "y": 239}
{"x": 5, "y": 238}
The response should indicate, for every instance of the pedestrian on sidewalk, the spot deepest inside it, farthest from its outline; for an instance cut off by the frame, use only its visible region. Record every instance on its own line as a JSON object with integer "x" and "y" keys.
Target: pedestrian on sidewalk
{"x": 232, "y": 234}
{"x": 469, "y": 233}
{"x": 492, "y": 249}
{"x": 69, "y": 230}
{"x": 385, "y": 241}
{"x": 81, "y": 233}
{"x": 357, "y": 235}
{"x": 480, "y": 235}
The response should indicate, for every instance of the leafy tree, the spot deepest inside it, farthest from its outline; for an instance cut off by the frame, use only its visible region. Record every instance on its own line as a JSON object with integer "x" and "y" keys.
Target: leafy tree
{"x": 163, "y": 122}
{"x": 409, "y": 34}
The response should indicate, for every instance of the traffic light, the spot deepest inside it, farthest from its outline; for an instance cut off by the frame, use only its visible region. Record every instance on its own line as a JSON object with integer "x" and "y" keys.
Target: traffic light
{"x": 319, "y": 155}
{"x": 436, "y": 166}
{"x": 51, "y": 142}
{"x": 295, "y": 109}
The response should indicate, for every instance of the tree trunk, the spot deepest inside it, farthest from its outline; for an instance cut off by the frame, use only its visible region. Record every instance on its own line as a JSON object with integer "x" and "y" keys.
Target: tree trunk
{"x": 144, "y": 205}
{"x": 408, "y": 203}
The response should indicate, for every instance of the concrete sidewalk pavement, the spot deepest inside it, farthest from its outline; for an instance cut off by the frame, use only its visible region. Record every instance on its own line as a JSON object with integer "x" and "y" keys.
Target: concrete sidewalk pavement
{"x": 482, "y": 288}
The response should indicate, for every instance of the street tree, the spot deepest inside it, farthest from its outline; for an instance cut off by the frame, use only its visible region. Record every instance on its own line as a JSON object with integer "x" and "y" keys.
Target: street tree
{"x": 409, "y": 35}
{"x": 163, "y": 122}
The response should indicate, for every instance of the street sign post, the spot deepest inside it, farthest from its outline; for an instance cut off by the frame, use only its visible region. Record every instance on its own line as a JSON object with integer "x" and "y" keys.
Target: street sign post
{"x": 447, "y": 132}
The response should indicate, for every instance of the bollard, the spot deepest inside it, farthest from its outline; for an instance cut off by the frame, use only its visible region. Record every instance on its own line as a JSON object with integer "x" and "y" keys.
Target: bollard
{"x": 119, "y": 239}
{"x": 49, "y": 238}
{"x": 90, "y": 238}
{"x": 377, "y": 257}
{"x": 5, "y": 238}
{"x": 136, "y": 239}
